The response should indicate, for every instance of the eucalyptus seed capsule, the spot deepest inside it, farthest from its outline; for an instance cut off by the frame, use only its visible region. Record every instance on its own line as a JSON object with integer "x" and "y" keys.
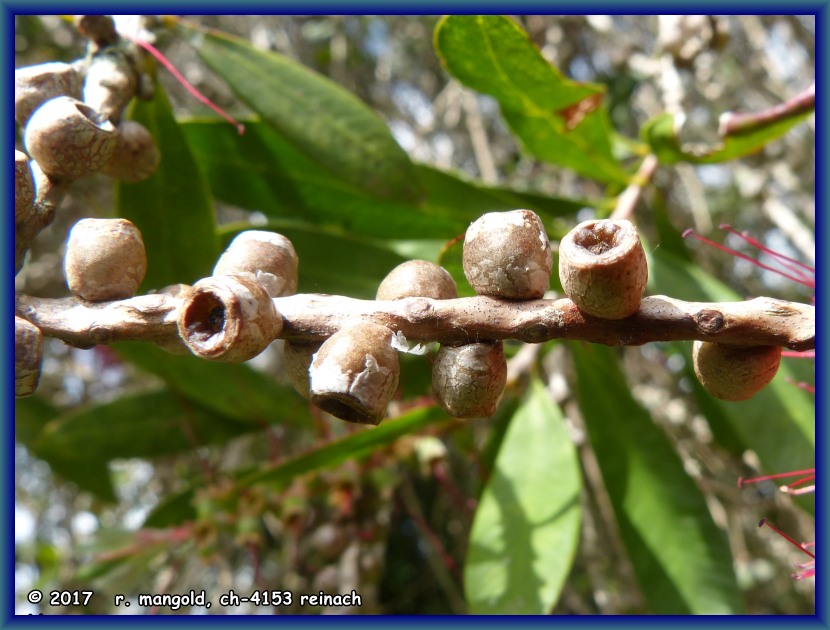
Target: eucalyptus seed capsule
{"x": 734, "y": 372}
{"x": 228, "y": 318}
{"x": 69, "y": 139}
{"x": 468, "y": 381}
{"x": 603, "y": 268}
{"x": 105, "y": 259}
{"x": 508, "y": 255}
{"x": 417, "y": 278}
{"x": 355, "y": 373}
{"x": 267, "y": 257}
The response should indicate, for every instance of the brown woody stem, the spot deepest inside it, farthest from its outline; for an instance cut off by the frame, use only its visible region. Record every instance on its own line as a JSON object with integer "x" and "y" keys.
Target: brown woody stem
{"x": 314, "y": 317}
{"x": 734, "y": 123}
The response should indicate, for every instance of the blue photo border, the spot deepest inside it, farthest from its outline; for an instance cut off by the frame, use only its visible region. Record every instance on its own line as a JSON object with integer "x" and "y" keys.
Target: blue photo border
{"x": 7, "y": 12}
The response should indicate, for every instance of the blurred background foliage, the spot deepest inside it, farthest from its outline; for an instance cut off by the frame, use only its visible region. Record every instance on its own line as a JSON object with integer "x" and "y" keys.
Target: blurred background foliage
{"x": 605, "y": 483}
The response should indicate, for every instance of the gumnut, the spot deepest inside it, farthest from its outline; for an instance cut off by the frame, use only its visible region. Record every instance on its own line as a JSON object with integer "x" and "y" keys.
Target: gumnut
{"x": 355, "y": 373}
{"x": 508, "y": 255}
{"x": 297, "y": 357}
{"x": 417, "y": 278}
{"x": 603, "y": 268}
{"x": 34, "y": 85}
{"x": 105, "y": 259}
{"x": 734, "y": 373}
{"x": 99, "y": 29}
{"x": 111, "y": 83}
{"x": 468, "y": 381}
{"x": 135, "y": 157}
{"x": 24, "y": 189}
{"x": 267, "y": 257}
{"x": 28, "y": 357}
{"x": 69, "y": 139}
{"x": 49, "y": 193}
{"x": 228, "y": 318}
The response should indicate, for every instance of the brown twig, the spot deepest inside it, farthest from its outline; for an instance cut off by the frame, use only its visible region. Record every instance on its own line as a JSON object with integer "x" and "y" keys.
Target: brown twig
{"x": 314, "y": 317}
{"x": 733, "y": 123}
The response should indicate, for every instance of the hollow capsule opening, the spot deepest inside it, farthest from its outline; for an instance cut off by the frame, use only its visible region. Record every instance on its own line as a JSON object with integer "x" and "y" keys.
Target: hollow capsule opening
{"x": 204, "y": 318}
{"x": 345, "y": 408}
{"x": 598, "y": 238}
{"x": 96, "y": 118}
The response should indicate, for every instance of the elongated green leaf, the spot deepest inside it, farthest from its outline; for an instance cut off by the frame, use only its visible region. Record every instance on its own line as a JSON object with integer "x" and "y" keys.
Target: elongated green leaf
{"x": 351, "y": 447}
{"x": 179, "y": 508}
{"x": 31, "y": 416}
{"x": 142, "y": 425}
{"x": 661, "y": 134}
{"x": 558, "y": 120}
{"x": 235, "y": 391}
{"x": 681, "y": 559}
{"x": 778, "y": 423}
{"x": 262, "y": 171}
{"x": 325, "y": 121}
{"x": 526, "y": 526}
{"x": 454, "y": 195}
{"x": 173, "y": 208}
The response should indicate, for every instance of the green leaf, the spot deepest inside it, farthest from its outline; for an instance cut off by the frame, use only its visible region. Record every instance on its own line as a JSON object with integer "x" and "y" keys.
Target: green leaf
{"x": 235, "y": 391}
{"x": 558, "y": 120}
{"x": 31, "y": 416}
{"x": 352, "y": 447}
{"x": 172, "y": 511}
{"x": 262, "y": 171}
{"x": 325, "y": 121}
{"x": 455, "y": 195}
{"x": 778, "y": 423}
{"x": 526, "y": 527}
{"x": 661, "y": 134}
{"x": 179, "y": 507}
{"x": 141, "y": 425}
{"x": 173, "y": 208}
{"x": 682, "y": 561}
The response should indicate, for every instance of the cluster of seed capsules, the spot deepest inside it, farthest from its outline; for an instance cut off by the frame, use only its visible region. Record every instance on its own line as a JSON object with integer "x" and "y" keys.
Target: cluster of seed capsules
{"x": 232, "y": 315}
{"x": 353, "y": 374}
{"x": 71, "y": 118}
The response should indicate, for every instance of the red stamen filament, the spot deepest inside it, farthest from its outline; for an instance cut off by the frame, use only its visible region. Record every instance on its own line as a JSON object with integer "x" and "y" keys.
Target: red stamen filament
{"x": 800, "y": 278}
{"x": 187, "y": 85}
{"x": 805, "y": 354}
{"x": 801, "y": 385}
{"x": 809, "y": 472}
{"x": 802, "y": 546}
{"x": 777, "y": 255}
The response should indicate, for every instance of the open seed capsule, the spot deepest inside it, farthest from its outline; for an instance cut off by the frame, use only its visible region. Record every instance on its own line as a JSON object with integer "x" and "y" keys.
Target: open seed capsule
{"x": 355, "y": 373}
{"x": 603, "y": 268}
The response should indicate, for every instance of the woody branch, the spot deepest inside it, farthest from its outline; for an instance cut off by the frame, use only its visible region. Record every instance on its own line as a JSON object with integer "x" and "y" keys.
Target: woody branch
{"x": 315, "y": 317}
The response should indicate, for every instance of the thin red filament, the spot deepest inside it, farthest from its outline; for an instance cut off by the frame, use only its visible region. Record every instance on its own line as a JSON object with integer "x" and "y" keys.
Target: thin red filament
{"x": 808, "y": 474}
{"x": 801, "y": 546}
{"x": 783, "y": 259}
{"x": 800, "y": 277}
{"x": 802, "y": 385}
{"x": 805, "y": 354}
{"x": 187, "y": 85}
